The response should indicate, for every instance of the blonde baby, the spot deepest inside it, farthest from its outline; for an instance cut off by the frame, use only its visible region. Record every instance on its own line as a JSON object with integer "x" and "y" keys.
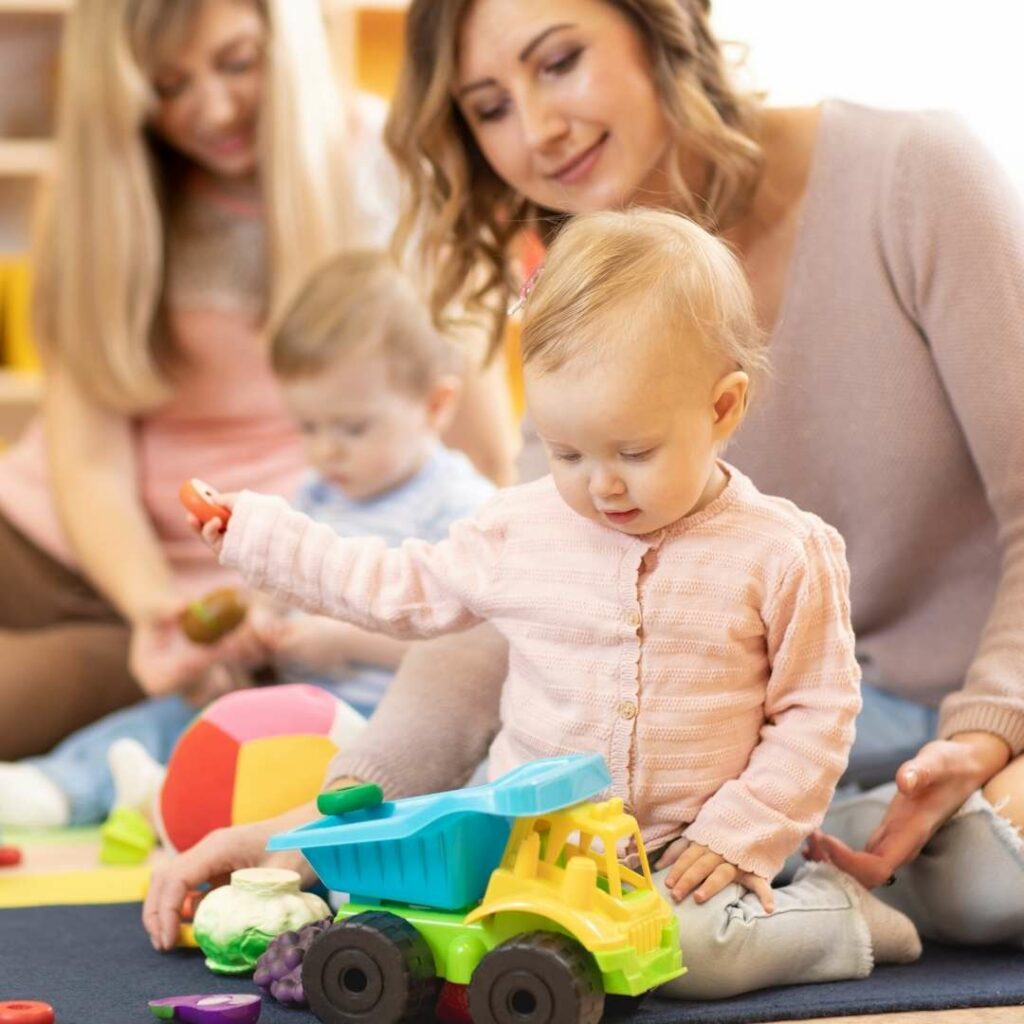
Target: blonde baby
{"x": 658, "y": 608}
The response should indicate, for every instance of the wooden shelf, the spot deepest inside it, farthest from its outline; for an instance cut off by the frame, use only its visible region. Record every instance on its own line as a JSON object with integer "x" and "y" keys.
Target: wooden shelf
{"x": 22, "y": 158}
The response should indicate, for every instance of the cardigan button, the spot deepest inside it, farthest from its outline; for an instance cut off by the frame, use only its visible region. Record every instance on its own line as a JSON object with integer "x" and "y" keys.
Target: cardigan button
{"x": 633, "y": 617}
{"x": 627, "y": 710}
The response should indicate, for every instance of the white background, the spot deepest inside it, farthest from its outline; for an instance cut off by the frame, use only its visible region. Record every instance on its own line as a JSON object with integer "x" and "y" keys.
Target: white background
{"x": 962, "y": 55}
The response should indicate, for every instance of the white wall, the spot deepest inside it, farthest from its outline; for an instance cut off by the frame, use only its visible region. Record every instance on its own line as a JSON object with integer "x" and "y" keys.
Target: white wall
{"x": 962, "y": 55}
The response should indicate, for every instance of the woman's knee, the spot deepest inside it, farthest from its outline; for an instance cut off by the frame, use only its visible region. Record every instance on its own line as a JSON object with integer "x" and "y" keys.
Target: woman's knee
{"x": 55, "y": 681}
{"x": 967, "y": 886}
{"x": 991, "y": 919}
{"x": 1005, "y": 792}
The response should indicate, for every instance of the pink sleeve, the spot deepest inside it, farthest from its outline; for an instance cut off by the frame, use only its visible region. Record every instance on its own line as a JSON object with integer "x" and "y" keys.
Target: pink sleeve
{"x": 417, "y": 590}
{"x": 811, "y": 701}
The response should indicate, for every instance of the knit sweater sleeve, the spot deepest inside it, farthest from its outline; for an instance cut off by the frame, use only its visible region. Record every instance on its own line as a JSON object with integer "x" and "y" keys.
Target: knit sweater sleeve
{"x": 417, "y": 590}
{"x": 812, "y": 698}
{"x": 961, "y": 270}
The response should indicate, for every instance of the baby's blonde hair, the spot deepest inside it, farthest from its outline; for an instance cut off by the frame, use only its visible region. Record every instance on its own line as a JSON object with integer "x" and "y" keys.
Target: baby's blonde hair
{"x": 643, "y": 267}
{"x": 360, "y": 301}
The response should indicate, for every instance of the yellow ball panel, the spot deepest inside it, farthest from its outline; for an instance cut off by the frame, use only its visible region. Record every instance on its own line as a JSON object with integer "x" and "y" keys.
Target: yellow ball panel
{"x": 278, "y": 773}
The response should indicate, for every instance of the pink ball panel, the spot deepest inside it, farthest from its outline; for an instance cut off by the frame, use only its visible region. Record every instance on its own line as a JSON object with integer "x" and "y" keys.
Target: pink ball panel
{"x": 274, "y": 711}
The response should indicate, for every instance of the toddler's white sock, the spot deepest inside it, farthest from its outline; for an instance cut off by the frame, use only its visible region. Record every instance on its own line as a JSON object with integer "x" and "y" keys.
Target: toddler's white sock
{"x": 137, "y": 776}
{"x": 30, "y": 799}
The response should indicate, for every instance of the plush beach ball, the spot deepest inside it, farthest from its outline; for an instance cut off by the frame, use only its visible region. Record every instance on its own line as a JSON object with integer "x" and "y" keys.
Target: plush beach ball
{"x": 250, "y": 755}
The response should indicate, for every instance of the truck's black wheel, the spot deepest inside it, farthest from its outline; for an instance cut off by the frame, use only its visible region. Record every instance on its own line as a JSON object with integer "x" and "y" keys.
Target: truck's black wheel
{"x": 537, "y": 978}
{"x": 372, "y": 968}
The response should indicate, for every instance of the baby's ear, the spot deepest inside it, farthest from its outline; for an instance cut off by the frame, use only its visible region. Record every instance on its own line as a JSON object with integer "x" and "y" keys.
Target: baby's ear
{"x": 729, "y": 400}
{"x": 443, "y": 401}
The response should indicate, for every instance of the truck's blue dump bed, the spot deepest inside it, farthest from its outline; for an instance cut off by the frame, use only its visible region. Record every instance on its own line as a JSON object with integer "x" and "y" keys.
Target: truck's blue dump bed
{"x": 439, "y": 850}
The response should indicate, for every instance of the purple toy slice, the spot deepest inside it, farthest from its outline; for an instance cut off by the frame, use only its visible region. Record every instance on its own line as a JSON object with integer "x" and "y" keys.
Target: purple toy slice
{"x": 208, "y": 1009}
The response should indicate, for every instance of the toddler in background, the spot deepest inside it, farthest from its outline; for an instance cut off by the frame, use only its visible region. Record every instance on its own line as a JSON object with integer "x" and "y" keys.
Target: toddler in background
{"x": 371, "y": 386}
{"x": 658, "y": 608}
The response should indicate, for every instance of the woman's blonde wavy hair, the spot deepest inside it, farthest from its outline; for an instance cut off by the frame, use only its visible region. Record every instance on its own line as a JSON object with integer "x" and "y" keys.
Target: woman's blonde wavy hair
{"x": 99, "y": 259}
{"x": 460, "y": 217}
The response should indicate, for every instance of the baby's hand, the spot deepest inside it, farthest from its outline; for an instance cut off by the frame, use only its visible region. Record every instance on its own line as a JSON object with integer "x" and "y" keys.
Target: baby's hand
{"x": 211, "y": 530}
{"x": 705, "y": 873}
{"x": 312, "y": 643}
{"x": 208, "y": 510}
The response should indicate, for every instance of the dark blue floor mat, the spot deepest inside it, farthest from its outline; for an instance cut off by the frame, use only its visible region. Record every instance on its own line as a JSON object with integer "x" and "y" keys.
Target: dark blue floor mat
{"x": 95, "y": 966}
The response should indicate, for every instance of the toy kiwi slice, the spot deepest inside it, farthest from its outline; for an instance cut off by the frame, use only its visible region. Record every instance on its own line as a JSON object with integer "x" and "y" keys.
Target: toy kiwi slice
{"x": 213, "y": 616}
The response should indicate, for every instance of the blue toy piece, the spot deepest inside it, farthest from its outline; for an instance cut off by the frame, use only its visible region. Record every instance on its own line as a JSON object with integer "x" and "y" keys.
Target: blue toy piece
{"x": 439, "y": 850}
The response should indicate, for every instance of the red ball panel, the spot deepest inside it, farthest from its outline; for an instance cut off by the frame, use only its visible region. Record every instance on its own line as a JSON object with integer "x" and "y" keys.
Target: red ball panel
{"x": 199, "y": 788}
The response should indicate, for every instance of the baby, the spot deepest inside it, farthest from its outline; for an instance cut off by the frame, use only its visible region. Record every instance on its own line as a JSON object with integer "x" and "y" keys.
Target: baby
{"x": 658, "y": 608}
{"x": 372, "y": 386}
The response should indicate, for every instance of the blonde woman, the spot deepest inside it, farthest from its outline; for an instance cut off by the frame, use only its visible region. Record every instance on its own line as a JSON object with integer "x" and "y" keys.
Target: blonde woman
{"x": 206, "y": 161}
{"x": 883, "y": 251}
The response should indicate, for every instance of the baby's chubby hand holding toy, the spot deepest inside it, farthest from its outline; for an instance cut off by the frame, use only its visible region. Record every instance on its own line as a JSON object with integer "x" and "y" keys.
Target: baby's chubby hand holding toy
{"x": 208, "y": 511}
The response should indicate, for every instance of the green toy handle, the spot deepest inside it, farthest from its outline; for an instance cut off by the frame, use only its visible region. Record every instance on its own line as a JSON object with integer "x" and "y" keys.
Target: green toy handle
{"x": 350, "y": 798}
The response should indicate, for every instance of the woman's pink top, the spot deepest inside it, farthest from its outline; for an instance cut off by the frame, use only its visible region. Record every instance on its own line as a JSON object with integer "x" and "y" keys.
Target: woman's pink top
{"x": 711, "y": 663}
{"x": 225, "y": 423}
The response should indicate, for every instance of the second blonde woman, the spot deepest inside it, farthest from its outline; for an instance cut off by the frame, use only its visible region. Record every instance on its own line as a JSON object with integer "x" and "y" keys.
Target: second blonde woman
{"x": 207, "y": 160}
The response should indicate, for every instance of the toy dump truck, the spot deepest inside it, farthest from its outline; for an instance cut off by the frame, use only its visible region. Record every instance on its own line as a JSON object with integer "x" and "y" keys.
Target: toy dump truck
{"x": 513, "y": 888}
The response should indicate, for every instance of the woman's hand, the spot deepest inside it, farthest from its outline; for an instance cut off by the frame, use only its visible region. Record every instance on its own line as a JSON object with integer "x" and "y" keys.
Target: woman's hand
{"x": 165, "y": 661}
{"x": 161, "y": 657}
{"x": 214, "y": 858}
{"x": 931, "y": 787}
{"x": 705, "y": 873}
